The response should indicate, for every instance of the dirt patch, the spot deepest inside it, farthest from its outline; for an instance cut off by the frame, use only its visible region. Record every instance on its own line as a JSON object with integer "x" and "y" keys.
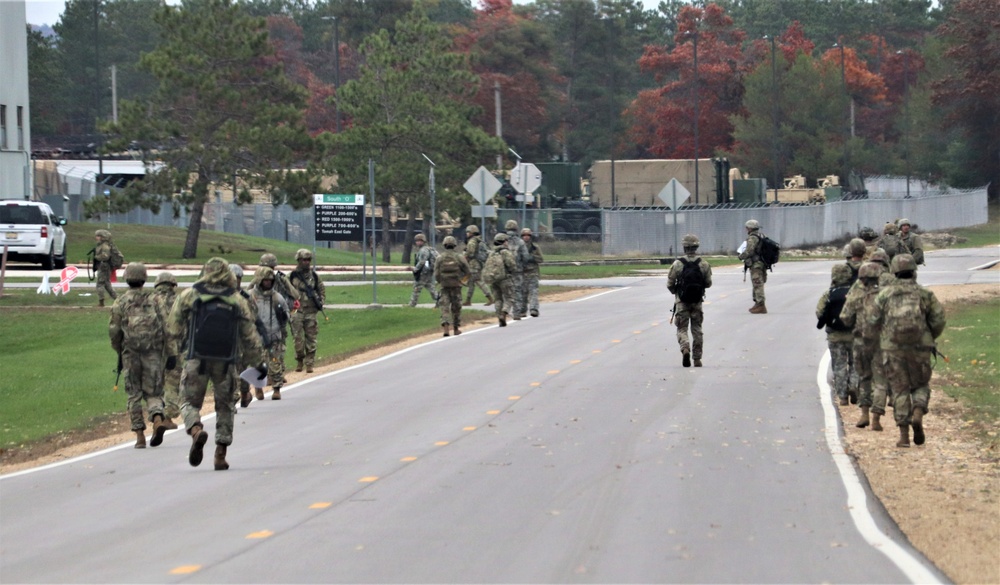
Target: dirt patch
{"x": 945, "y": 494}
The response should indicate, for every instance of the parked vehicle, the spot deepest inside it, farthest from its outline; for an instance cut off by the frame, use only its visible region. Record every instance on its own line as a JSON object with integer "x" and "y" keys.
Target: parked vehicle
{"x": 33, "y": 233}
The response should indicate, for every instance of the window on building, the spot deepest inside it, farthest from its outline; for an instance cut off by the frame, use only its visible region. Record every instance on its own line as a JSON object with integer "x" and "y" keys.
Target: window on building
{"x": 20, "y": 127}
{"x": 3, "y": 127}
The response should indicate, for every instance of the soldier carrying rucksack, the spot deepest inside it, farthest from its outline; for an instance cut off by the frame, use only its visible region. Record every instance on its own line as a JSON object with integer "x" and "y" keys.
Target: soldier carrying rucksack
{"x": 758, "y": 258}
{"x": 498, "y": 272}
{"x": 106, "y": 259}
{"x": 689, "y": 276}
{"x": 910, "y": 319}
{"x": 476, "y": 252}
{"x": 451, "y": 270}
{"x": 137, "y": 332}
{"x": 220, "y": 328}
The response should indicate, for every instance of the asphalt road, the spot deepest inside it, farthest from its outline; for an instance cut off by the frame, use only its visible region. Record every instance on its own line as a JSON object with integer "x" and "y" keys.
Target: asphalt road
{"x": 569, "y": 448}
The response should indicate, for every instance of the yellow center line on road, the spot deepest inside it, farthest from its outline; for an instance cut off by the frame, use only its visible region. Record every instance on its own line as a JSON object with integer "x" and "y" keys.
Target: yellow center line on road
{"x": 492, "y": 412}
{"x": 260, "y": 534}
{"x": 185, "y": 569}
{"x": 440, "y": 443}
{"x": 468, "y": 429}
{"x": 408, "y": 459}
{"x": 368, "y": 479}
{"x": 552, "y": 372}
{"x": 320, "y": 505}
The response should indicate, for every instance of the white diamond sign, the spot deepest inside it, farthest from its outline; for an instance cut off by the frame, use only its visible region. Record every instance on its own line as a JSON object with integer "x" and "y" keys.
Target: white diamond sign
{"x": 482, "y": 185}
{"x": 674, "y": 194}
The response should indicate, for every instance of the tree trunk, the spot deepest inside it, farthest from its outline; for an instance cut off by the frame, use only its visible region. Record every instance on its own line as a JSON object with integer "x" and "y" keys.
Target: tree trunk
{"x": 386, "y": 240}
{"x": 408, "y": 237}
{"x": 200, "y": 190}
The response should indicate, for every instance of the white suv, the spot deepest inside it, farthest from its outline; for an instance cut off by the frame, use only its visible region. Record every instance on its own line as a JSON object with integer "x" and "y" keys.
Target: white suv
{"x": 33, "y": 233}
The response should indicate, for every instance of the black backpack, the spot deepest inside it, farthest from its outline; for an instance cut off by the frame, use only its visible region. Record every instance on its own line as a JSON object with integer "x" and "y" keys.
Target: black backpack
{"x": 213, "y": 333}
{"x": 769, "y": 251}
{"x": 691, "y": 283}
{"x": 834, "y": 305}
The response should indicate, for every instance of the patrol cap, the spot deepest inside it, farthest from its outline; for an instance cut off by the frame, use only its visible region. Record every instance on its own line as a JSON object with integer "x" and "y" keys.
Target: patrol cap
{"x": 903, "y": 263}
{"x": 690, "y": 241}
{"x": 166, "y": 278}
{"x": 472, "y": 229}
{"x": 857, "y": 246}
{"x": 841, "y": 274}
{"x": 303, "y": 254}
{"x": 135, "y": 272}
{"x": 500, "y": 238}
{"x": 419, "y": 238}
{"x": 268, "y": 259}
{"x": 450, "y": 242}
{"x": 753, "y": 224}
{"x": 510, "y": 225}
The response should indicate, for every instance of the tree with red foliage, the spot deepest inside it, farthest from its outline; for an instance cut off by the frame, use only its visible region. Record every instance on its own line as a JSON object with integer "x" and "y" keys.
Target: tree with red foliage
{"x": 663, "y": 117}
{"x": 286, "y": 38}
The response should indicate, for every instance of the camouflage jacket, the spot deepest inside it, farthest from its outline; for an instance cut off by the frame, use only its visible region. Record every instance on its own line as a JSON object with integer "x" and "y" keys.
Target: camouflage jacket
{"x": 464, "y": 269}
{"x": 423, "y": 263}
{"x": 102, "y": 252}
{"x": 272, "y": 312}
{"x": 931, "y": 309}
{"x": 751, "y": 255}
{"x": 860, "y": 300}
{"x": 675, "y": 273}
{"x": 303, "y": 282}
{"x": 910, "y": 244}
{"x": 521, "y": 254}
{"x": 509, "y": 262}
{"x": 533, "y": 265}
{"x": 118, "y": 326}
{"x": 831, "y": 333}
{"x": 472, "y": 249}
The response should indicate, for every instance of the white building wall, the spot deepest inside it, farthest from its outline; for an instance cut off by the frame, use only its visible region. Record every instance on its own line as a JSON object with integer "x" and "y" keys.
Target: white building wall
{"x": 15, "y": 153}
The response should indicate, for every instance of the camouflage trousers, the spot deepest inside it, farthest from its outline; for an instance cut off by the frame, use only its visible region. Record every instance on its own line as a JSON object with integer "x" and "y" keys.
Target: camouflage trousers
{"x": 194, "y": 385}
{"x": 758, "y": 276}
{"x": 503, "y": 296}
{"x": 276, "y": 364}
{"x": 420, "y": 285}
{"x": 871, "y": 382}
{"x": 171, "y": 392}
{"x": 908, "y": 376}
{"x": 840, "y": 362}
{"x": 451, "y": 305}
{"x": 692, "y": 315}
{"x": 517, "y": 290}
{"x": 475, "y": 279}
{"x": 305, "y": 344}
{"x": 104, "y": 282}
{"x": 143, "y": 382}
{"x": 529, "y": 293}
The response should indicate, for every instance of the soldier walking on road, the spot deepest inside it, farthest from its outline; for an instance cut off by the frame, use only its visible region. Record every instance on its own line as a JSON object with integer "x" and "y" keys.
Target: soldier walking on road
{"x": 521, "y": 259}
{"x": 839, "y": 336}
{"x": 166, "y": 289}
{"x": 312, "y": 297}
{"x": 532, "y": 273}
{"x": 272, "y": 312}
{"x": 498, "y": 273}
{"x": 910, "y": 318}
{"x": 910, "y": 243}
{"x": 219, "y": 327}
{"x": 476, "y": 251}
{"x": 752, "y": 261}
{"x": 688, "y": 279}
{"x": 107, "y": 258}
{"x": 137, "y": 334}
{"x": 423, "y": 270}
{"x": 867, "y": 353}
{"x": 890, "y": 240}
{"x": 450, "y": 270}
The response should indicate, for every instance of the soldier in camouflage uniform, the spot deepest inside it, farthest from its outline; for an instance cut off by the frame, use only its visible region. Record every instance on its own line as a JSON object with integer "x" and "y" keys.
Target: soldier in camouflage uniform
{"x": 242, "y": 392}
{"x": 839, "y": 336}
{"x": 521, "y": 258}
{"x": 312, "y": 294}
{"x": 166, "y": 289}
{"x": 870, "y": 238}
{"x": 910, "y": 243}
{"x": 472, "y": 243}
{"x": 689, "y": 313}
{"x": 216, "y": 281}
{"x": 753, "y": 262}
{"x": 272, "y": 311}
{"x": 855, "y": 254}
{"x": 532, "y": 272}
{"x": 910, "y": 319}
{"x": 102, "y": 265}
{"x": 503, "y": 288}
{"x": 137, "y": 334}
{"x": 867, "y": 352}
{"x": 890, "y": 240}
{"x": 423, "y": 270}
{"x": 291, "y": 295}
{"x": 450, "y": 269}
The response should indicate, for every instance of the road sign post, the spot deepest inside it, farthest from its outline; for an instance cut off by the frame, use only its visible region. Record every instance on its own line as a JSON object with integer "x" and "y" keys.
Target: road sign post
{"x": 482, "y": 185}
{"x": 674, "y": 194}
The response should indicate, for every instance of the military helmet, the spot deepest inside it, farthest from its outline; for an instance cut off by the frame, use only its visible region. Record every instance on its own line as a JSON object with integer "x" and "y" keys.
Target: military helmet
{"x": 846, "y": 251}
{"x": 269, "y": 259}
{"x": 472, "y": 229}
{"x": 450, "y": 242}
{"x": 841, "y": 274}
{"x": 103, "y": 234}
{"x": 511, "y": 225}
{"x": 135, "y": 271}
{"x": 880, "y": 256}
{"x": 263, "y": 273}
{"x": 890, "y": 229}
{"x": 690, "y": 241}
{"x": 419, "y": 238}
{"x": 903, "y": 222}
{"x": 867, "y": 234}
{"x": 526, "y": 231}
{"x": 902, "y": 263}
{"x": 500, "y": 238}
{"x": 166, "y": 278}
{"x": 869, "y": 270}
{"x": 753, "y": 224}
{"x": 237, "y": 270}
{"x": 303, "y": 254}
{"x": 857, "y": 246}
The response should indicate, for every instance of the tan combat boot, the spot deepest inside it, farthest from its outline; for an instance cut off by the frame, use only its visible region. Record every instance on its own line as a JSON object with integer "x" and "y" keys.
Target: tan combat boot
{"x": 298, "y": 364}
{"x": 467, "y": 304}
{"x": 100, "y": 302}
{"x": 159, "y": 428}
{"x": 168, "y": 423}
{"x": 140, "y": 440}
{"x": 455, "y": 330}
{"x": 198, "y": 439}
{"x": 917, "y": 420}
{"x": 220, "y": 458}
{"x": 489, "y": 300}
{"x": 876, "y": 423}
{"x": 276, "y": 393}
{"x": 758, "y": 309}
{"x": 258, "y": 393}
{"x": 904, "y": 436}
{"x": 697, "y": 362}
{"x": 446, "y": 328}
{"x": 863, "y": 421}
